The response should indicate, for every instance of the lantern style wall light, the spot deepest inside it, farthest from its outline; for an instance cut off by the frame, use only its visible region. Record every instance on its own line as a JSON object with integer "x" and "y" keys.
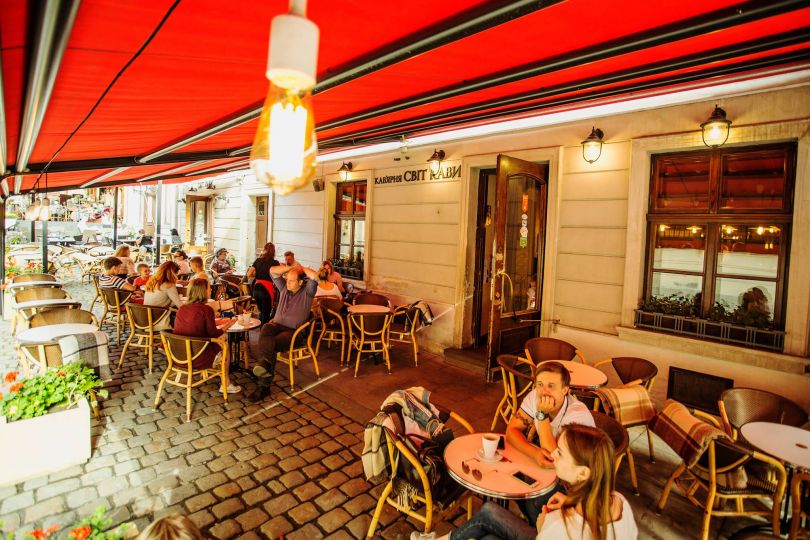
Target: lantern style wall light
{"x": 285, "y": 146}
{"x": 592, "y": 146}
{"x": 344, "y": 170}
{"x": 436, "y": 161}
{"x": 715, "y": 130}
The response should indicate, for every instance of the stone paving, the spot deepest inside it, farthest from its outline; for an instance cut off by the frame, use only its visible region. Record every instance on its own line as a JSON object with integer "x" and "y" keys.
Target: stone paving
{"x": 288, "y": 466}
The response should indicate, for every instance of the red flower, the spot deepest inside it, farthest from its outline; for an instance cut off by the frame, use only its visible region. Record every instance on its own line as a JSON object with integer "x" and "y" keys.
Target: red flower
{"x": 61, "y": 373}
{"x": 11, "y": 376}
{"x": 81, "y": 533}
{"x": 16, "y": 387}
{"x": 39, "y": 534}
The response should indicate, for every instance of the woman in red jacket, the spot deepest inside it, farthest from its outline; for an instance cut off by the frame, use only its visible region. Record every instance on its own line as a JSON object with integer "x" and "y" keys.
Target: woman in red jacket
{"x": 196, "y": 319}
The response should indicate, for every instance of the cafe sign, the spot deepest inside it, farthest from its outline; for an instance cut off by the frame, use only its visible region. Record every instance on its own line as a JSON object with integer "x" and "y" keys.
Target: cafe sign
{"x": 450, "y": 171}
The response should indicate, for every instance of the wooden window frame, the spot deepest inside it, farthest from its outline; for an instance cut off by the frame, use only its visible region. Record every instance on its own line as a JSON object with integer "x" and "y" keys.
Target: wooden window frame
{"x": 352, "y": 216}
{"x": 715, "y": 217}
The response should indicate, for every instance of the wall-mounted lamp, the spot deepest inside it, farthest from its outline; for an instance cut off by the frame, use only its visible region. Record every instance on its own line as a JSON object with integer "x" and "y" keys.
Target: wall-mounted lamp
{"x": 318, "y": 184}
{"x": 344, "y": 170}
{"x": 715, "y": 130}
{"x": 436, "y": 161}
{"x": 592, "y": 146}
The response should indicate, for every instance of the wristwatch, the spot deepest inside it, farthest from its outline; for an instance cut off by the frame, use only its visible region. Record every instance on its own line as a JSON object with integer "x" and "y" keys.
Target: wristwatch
{"x": 540, "y": 415}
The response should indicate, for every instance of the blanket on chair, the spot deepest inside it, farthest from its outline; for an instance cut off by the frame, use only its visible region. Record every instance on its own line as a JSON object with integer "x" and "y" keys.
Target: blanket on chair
{"x": 629, "y": 406}
{"x": 687, "y": 435}
{"x": 91, "y": 349}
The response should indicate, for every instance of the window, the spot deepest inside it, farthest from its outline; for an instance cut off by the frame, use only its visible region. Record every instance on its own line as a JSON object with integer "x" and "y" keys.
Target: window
{"x": 719, "y": 224}
{"x": 350, "y": 228}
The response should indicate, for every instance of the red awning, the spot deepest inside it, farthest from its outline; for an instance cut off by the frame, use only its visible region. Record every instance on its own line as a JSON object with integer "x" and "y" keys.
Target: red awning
{"x": 174, "y": 69}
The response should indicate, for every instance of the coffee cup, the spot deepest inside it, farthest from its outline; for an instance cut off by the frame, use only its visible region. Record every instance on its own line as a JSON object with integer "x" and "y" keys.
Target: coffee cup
{"x": 245, "y": 318}
{"x": 490, "y": 445}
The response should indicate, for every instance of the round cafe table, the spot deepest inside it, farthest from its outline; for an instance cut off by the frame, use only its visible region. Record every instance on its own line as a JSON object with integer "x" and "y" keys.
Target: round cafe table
{"x": 496, "y": 480}
{"x": 45, "y": 335}
{"x": 367, "y": 308}
{"x": 583, "y": 376}
{"x": 236, "y": 334}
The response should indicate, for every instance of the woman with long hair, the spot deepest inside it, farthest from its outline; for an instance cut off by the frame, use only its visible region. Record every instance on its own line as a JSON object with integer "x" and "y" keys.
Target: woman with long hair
{"x": 263, "y": 291}
{"x": 161, "y": 289}
{"x": 590, "y": 510}
{"x": 127, "y": 264}
{"x": 196, "y": 319}
{"x": 332, "y": 276}
{"x": 326, "y": 287}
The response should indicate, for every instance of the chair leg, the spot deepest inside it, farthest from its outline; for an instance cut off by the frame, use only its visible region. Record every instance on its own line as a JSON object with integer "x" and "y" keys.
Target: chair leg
{"x": 292, "y": 372}
{"x": 103, "y": 317}
{"x": 163, "y": 380}
{"x": 415, "y": 353}
{"x": 650, "y": 444}
{"x": 497, "y": 413}
{"x": 314, "y": 361}
{"x": 662, "y": 501}
{"x": 378, "y": 511}
{"x": 632, "y": 466}
{"x": 188, "y": 400}
{"x": 150, "y": 344}
{"x": 357, "y": 362}
{"x": 387, "y": 358}
{"x": 707, "y": 514}
{"x": 124, "y": 351}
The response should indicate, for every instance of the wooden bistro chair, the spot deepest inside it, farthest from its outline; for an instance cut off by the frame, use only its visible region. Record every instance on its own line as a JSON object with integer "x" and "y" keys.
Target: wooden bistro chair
{"x": 30, "y": 295}
{"x": 25, "y": 278}
{"x": 181, "y": 351}
{"x": 618, "y": 435}
{"x": 45, "y": 356}
{"x": 540, "y": 349}
{"x": 372, "y": 298}
{"x": 300, "y": 349}
{"x": 632, "y": 370}
{"x": 739, "y": 406}
{"x": 368, "y": 332}
{"x": 114, "y": 309}
{"x": 715, "y": 464}
{"x": 233, "y": 285}
{"x": 800, "y": 501}
{"x": 142, "y": 322}
{"x": 404, "y": 330}
{"x": 332, "y": 327}
{"x": 517, "y": 379}
{"x": 62, "y": 315}
{"x": 405, "y": 473}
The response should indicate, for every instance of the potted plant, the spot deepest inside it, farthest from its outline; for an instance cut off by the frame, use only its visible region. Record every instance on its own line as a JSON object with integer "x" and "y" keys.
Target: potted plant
{"x": 94, "y": 527}
{"x": 45, "y": 420}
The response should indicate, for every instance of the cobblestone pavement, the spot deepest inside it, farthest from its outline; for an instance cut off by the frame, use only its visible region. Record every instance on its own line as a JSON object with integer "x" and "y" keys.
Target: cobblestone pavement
{"x": 290, "y": 465}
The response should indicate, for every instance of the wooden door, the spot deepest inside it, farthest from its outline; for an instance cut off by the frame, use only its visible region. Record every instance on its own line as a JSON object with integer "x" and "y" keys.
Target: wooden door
{"x": 516, "y": 285}
{"x": 261, "y": 223}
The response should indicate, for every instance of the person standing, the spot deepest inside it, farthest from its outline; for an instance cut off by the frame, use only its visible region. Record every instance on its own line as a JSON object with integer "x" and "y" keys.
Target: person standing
{"x": 263, "y": 292}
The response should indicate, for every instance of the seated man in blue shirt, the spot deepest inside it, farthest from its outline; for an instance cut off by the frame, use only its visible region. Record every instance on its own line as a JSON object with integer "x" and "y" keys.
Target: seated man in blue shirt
{"x": 293, "y": 309}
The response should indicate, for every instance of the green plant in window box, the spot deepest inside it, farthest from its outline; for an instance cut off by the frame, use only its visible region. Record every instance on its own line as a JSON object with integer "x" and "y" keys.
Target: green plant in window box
{"x": 673, "y": 304}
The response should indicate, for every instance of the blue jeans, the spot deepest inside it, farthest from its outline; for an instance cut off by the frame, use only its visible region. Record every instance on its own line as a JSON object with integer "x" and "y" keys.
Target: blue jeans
{"x": 531, "y": 508}
{"x": 493, "y": 521}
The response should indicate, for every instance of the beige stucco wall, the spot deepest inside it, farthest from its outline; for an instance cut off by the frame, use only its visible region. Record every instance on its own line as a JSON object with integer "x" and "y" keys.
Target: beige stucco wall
{"x": 417, "y": 235}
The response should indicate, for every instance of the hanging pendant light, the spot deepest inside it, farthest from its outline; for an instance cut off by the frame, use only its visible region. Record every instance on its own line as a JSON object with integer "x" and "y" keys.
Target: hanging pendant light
{"x": 45, "y": 209}
{"x": 285, "y": 147}
{"x": 32, "y": 212}
{"x": 715, "y": 130}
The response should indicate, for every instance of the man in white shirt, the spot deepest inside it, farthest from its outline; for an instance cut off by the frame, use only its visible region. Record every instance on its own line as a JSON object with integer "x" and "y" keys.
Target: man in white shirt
{"x": 549, "y": 406}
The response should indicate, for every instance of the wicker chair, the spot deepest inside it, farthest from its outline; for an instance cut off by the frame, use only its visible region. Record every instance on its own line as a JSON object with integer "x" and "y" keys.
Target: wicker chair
{"x": 114, "y": 309}
{"x": 142, "y": 322}
{"x": 801, "y": 505}
{"x": 368, "y": 332}
{"x": 181, "y": 351}
{"x": 404, "y": 330}
{"x": 400, "y": 457}
{"x": 373, "y": 299}
{"x": 300, "y": 349}
{"x": 332, "y": 326}
{"x": 44, "y": 356}
{"x": 516, "y": 375}
{"x": 97, "y": 297}
{"x": 62, "y": 315}
{"x": 541, "y": 349}
{"x": 739, "y": 406}
{"x": 233, "y": 285}
{"x": 618, "y": 435}
{"x": 633, "y": 370}
{"x": 718, "y": 466}
{"x": 30, "y": 295}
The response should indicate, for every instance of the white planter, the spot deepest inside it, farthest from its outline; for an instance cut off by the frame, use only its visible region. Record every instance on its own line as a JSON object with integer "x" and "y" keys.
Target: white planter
{"x": 45, "y": 444}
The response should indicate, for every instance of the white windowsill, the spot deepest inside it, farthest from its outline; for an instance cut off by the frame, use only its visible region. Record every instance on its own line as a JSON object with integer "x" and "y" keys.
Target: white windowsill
{"x": 730, "y": 353}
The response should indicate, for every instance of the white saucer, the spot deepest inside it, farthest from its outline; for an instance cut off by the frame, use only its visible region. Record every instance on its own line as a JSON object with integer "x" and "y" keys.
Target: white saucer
{"x": 480, "y": 455}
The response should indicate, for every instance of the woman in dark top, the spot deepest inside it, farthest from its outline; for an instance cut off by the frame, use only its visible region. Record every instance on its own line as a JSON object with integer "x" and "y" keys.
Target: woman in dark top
{"x": 263, "y": 287}
{"x": 196, "y": 319}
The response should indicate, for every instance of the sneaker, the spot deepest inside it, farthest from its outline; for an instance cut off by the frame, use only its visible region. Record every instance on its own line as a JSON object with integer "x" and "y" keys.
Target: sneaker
{"x": 416, "y": 535}
{"x": 234, "y": 389}
{"x": 260, "y": 371}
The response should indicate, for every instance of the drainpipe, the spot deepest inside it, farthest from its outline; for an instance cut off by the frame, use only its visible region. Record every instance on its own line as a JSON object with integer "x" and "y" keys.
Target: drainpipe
{"x": 115, "y": 219}
{"x": 158, "y": 216}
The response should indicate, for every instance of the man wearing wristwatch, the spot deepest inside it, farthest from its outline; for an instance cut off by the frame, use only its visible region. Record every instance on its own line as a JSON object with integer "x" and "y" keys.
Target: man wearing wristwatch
{"x": 548, "y": 406}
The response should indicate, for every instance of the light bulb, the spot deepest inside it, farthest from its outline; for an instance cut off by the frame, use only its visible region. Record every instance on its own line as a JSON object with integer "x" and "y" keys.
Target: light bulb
{"x": 45, "y": 209}
{"x": 591, "y": 151}
{"x": 284, "y": 150}
{"x": 760, "y": 230}
{"x": 435, "y": 166}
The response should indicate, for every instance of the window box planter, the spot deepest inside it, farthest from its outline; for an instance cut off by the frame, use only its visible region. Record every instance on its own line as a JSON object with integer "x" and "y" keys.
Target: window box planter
{"x": 723, "y": 332}
{"x": 38, "y": 446}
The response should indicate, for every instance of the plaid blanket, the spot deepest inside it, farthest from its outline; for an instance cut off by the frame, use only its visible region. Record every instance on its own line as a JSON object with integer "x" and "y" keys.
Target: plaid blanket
{"x": 629, "y": 406}
{"x": 688, "y": 436}
{"x": 91, "y": 349}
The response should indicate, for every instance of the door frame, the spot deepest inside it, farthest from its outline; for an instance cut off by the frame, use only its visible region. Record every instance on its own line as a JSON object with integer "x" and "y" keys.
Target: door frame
{"x": 480, "y": 249}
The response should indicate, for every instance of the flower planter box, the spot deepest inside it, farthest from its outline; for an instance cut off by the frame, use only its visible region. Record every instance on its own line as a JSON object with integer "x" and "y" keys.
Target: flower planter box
{"x": 723, "y": 332}
{"x": 45, "y": 444}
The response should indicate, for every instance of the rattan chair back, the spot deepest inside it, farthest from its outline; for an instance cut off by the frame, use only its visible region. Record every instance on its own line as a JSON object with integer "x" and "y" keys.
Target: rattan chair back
{"x": 144, "y": 317}
{"x": 370, "y": 298}
{"x": 40, "y": 293}
{"x": 631, "y": 369}
{"x": 62, "y": 315}
{"x": 25, "y": 278}
{"x": 541, "y": 349}
{"x": 739, "y": 406}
